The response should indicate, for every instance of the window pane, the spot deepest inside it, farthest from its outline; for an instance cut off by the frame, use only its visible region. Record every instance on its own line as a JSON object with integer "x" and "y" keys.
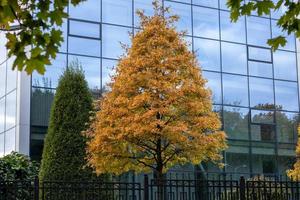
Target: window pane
{"x": 2, "y": 79}
{"x": 214, "y": 84}
{"x": 108, "y": 70}
{"x": 84, "y": 29}
{"x": 1, "y": 144}
{"x": 258, "y": 31}
{"x": 112, "y": 36}
{"x": 223, "y": 4}
{"x": 208, "y": 3}
{"x": 206, "y": 22}
{"x": 287, "y": 95}
{"x": 287, "y": 126}
{"x": 184, "y": 12}
{"x": 235, "y": 32}
{"x": 64, "y": 29}
{"x": 88, "y": 10}
{"x": 117, "y": 12}
{"x": 2, "y": 114}
{"x": 84, "y": 46}
{"x": 263, "y": 132}
{"x": 146, "y": 6}
{"x": 260, "y": 69}
{"x": 235, "y": 90}
{"x": 291, "y": 42}
{"x": 52, "y": 74}
{"x": 91, "y": 68}
{"x": 259, "y": 54}
{"x": 234, "y": 58}
{"x": 285, "y": 65}
{"x": 11, "y": 104}
{"x": 208, "y": 53}
{"x": 11, "y": 76}
{"x": 2, "y": 46}
{"x": 261, "y": 92}
{"x": 10, "y": 141}
{"x": 236, "y": 122}
{"x": 263, "y": 160}
{"x": 262, "y": 117}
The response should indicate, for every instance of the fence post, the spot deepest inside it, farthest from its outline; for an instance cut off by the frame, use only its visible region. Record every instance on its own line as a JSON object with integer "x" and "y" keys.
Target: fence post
{"x": 146, "y": 187}
{"x": 36, "y": 188}
{"x": 242, "y": 188}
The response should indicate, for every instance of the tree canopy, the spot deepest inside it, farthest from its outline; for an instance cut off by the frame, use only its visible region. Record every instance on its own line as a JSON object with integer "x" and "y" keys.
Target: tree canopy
{"x": 33, "y": 31}
{"x": 289, "y": 20}
{"x": 295, "y": 172}
{"x": 158, "y": 112}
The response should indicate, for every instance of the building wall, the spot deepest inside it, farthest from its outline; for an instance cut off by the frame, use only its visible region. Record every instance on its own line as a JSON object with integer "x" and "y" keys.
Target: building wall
{"x": 254, "y": 90}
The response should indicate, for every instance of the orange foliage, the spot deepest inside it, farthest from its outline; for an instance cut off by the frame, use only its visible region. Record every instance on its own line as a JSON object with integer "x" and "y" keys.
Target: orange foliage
{"x": 295, "y": 172}
{"x": 158, "y": 112}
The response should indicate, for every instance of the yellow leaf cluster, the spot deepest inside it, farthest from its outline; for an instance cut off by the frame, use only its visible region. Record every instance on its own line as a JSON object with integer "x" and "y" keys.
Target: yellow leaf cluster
{"x": 158, "y": 112}
{"x": 295, "y": 172}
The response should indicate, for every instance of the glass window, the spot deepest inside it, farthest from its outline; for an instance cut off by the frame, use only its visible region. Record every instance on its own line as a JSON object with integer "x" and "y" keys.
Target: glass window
{"x": 261, "y": 92}
{"x": 206, "y": 22}
{"x": 10, "y": 141}
{"x": 112, "y": 36}
{"x": 234, "y": 58}
{"x": 84, "y": 29}
{"x": 91, "y": 68}
{"x": 214, "y": 84}
{"x": 263, "y": 161}
{"x": 184, "y": 12}
{"x": 52, "y": 74}
{"x": 11, "y": 76}
{"x": 117, "y": 12}
{"x": 258, "y": 31}
{"x": 1, "y": 144}
{"x": 263, "y": 132}
{"x": 276, "y": 14}
{"x": 259, "y": 54}
{"x": 189, "y": 42}
{"x": 230, "y": 31}
{"x": 2, "y": 114}
{"x": 286, "y": 95}
{"x": 236, "y": 122}
{"x": 260, "y": 69}
{"x": 291, "y": 41}
{"x": 285, "y": 65}
{"x": 88, "y": 10}
{"x": 262, "y": 116}
{"x": 2, "y": 79}
{"x": 208, "y": 3}
{"x": 64, "y": 29}
{"x": 146, "y": 6}
{"x": 84, "y": 46}
{"x": 235, "y": 90}
{"x": 108, "y": 70}
{"x": 10, "y": 115}
{"x": 208, "y": 53}
{"x": 223, "y": 4}
{"x": 287, "y": 126}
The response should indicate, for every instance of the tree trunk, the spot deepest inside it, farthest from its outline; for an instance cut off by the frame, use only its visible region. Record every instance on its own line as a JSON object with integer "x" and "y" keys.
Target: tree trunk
{"x": 161, "y": 185}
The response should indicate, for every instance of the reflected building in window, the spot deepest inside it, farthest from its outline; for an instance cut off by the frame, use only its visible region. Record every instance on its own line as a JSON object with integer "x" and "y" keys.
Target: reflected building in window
{"x": 255, "y": 90}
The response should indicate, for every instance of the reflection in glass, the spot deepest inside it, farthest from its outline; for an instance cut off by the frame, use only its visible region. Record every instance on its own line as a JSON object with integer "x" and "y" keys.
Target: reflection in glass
{"x": 113, "y": 37}
{"x": 52, "y": 74}
{"x": 208, "y": 53}
{"x": 2, "y": 114}
{"x": 2, "y": 79}
{"x": 11, "y": 76}
{"x": 214, "y": 84}
{"x": 286, "y": 95}
{"x": 11, "y": 108}
{"x": 276, "y": 31}
{"x": 184, "y": 11}
{"x": 285, "y": 65}
{"x": 117, "y": 12}
{"x": 287, "y": 126}
{"x": 88, "y": 10}
{"x": 262, "y": 116}
{"x": 206, "y": 22}
{"x": 223, "y": 5}
{"x": 10, "y": 141}
{"x": 260, "y": 69}
{"x": 258, "y": 31}
{"x": 236, "y": 122}
{"x": 234, "y": 58}
{"x": 108, "y": 70}
{"x": 84, "y": 29}
{"x": 91, "y": 68}
{"x": 208, "y": 3}
{"x": 235, "y": 32}
{"x": 1, "y": 144}
{"x": 263, "y": 132}
{"x": 146, "y": 6}
{"x": 261, "y": 92}
{"x": 235, "y": 90}
{"x": 259, "y": 54}
{"x": 84, "y": 46}
{"x": 263, "y": 161}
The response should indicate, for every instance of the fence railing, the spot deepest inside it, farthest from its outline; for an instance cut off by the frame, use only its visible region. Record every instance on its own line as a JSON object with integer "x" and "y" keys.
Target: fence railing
{"x": 217, "y": 189}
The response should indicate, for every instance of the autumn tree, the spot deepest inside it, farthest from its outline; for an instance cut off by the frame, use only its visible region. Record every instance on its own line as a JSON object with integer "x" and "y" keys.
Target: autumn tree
{"x": 158, "y": 112}
{"x": 288, "y": 20}
{"x": 295, "y": 172}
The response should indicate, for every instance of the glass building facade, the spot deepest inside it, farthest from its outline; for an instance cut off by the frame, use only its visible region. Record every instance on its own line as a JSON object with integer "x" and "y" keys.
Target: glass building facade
{"x": 255, "y": 90}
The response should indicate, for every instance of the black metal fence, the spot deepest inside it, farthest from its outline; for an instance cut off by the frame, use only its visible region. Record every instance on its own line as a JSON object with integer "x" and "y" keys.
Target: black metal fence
{"x": 218, "y": 189}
